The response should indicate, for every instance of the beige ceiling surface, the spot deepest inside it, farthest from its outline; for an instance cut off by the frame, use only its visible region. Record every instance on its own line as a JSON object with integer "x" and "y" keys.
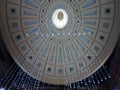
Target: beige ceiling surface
{"x": 60, "y": 56}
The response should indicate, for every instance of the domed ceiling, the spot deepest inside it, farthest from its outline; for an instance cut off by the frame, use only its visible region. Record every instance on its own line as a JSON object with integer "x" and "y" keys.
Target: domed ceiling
{"x": 60, "y": 41}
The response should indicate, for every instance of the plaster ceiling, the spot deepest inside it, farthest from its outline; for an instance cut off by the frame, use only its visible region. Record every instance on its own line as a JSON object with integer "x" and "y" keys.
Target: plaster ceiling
{"x": 60, "y": 55}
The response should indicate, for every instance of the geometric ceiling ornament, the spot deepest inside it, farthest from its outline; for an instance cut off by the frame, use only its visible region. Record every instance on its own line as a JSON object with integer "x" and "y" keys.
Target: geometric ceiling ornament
{"x": 60, "y": 41}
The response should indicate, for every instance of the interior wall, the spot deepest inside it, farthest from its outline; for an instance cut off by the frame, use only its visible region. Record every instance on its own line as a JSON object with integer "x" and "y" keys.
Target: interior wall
{"x": 5, "y": 59}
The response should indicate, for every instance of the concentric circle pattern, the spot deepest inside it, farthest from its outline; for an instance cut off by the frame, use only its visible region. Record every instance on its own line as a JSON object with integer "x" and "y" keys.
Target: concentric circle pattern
{"x": 59, "y": 56}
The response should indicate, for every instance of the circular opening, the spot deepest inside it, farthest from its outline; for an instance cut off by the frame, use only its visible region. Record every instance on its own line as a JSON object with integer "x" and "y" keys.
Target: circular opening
{"x": 60, "y": 18}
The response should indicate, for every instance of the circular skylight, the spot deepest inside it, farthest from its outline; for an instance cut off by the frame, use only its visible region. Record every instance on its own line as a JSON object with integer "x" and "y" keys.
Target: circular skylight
{"x": 60, "y": 41}
{"x": 60, "y": 18}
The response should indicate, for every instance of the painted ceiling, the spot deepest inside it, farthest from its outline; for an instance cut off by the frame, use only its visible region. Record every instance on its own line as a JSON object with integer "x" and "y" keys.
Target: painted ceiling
{"x": 65, "y": 55}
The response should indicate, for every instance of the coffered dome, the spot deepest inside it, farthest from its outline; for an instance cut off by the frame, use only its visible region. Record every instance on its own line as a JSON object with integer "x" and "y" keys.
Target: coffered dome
{"x": 60, "y": 41}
